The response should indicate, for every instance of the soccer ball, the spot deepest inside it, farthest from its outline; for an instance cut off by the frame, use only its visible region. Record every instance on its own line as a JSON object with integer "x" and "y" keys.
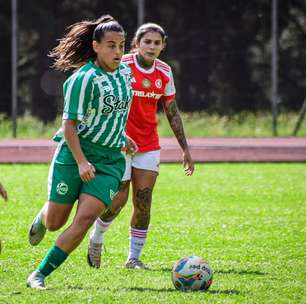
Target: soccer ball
{"x": 191, "y": 273}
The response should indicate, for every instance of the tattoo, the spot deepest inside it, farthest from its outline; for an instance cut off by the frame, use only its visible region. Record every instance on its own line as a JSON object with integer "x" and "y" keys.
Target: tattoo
{"x": 109, "y": 214}
{"x": 124, "y": 185}
{"x": 175, "y": 122}
{"x": 143, "y": 206}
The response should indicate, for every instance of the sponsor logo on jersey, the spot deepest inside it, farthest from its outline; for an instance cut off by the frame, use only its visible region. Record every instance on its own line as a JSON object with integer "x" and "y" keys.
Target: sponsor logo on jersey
{"x": 99, "y": 79}
{"x": 126, "y": 72}
{"x": 81, "y": 127}
{"x": 146, "y": 83}
{"x": 62, "y": 188}
{"x": 147, "y": 95}
{"x": 158, "y": 83}
{"x": 112, "y": 103}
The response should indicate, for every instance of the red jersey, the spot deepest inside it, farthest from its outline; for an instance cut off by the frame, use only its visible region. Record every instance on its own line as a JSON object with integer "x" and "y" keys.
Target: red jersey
{"x": 149, "y": 86}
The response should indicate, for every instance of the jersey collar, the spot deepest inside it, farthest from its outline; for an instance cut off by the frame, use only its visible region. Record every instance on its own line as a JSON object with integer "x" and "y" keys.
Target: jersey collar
{"x": 149, "y": 71}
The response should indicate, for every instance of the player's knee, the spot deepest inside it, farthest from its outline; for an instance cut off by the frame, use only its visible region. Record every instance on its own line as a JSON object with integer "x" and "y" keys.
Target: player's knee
{"x": 53, "y": 225}
{"x": 142, "y": 202}
{"x": 84, "y": 222}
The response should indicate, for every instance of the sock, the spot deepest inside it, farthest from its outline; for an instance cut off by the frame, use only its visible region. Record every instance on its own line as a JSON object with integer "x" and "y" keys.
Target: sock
{"x": 100, "y": 228}
{"x": 137, "y": 240}
{"x": 55, "y": 257}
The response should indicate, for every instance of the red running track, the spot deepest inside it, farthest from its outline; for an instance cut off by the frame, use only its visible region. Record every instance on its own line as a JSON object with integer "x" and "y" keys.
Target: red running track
{"x": 285, "y": 149}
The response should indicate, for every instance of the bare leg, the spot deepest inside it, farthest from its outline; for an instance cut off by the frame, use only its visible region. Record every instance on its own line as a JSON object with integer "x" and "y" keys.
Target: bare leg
{"x": 118, "y": 203}
{"x": 143, "y": 182}
{"x": 88, "y": 211}
{"x": 55, "y": 215}
{"x": 103, "y": 223}
{"x": 52, "y": 217}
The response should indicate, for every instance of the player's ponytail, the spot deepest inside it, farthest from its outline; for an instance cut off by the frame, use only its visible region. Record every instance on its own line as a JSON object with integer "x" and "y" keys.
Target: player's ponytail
{"x": 75, "y": 48}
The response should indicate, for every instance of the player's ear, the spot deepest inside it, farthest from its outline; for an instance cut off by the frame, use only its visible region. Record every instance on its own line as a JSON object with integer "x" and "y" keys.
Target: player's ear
{"x": 164, "y": 45}
{"x": 95, "y": 46}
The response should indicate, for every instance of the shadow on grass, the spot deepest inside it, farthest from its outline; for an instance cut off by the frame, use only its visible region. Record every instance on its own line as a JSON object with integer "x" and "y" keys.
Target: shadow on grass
{"x": 241, "y": 272}
{"x": 162, "y": 269}
{"x": 230, "y": 271}
{"x": 227, "y": 292}
{"x": 167, "y": 290}
{"x": 145, "y": 289}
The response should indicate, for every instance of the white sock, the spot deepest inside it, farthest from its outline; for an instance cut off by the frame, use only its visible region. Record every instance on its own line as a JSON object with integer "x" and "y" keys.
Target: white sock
{"x": 100, "y": 228}
{"x": 137, "y": 240}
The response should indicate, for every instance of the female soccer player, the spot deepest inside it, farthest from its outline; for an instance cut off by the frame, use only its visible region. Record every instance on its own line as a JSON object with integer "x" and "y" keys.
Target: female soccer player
{"x": 152, "y": 82}
{"x": 88, "y": 164}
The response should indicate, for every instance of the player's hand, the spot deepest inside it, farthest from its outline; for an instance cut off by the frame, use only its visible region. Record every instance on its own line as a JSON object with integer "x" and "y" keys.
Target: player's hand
{"x": 131, "y": 146}
{"x": 86, "y": 171}
{"x": 3, "y": 192}
{"x": 188, "y": 163}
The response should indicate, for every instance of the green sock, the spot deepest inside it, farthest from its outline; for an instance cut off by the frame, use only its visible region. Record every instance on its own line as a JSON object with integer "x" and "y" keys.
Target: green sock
{"x": 55, "y": 257}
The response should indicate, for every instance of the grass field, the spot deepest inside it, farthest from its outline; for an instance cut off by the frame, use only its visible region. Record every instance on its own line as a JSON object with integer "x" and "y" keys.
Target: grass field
{"x": 247, "y": 220}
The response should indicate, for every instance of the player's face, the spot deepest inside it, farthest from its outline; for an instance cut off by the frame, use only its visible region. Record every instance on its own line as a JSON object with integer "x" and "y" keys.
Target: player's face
{"x": 150, "y": 46}
{"x": 109, "y": 50}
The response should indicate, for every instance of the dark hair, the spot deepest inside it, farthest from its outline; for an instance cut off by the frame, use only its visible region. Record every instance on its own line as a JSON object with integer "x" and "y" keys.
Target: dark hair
{"x": 75, "y": 48}
{"x": 145, "y": 28}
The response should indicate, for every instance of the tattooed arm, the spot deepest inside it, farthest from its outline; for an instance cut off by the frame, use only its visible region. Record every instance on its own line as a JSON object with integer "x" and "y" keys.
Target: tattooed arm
{"x": 176, "y": 124}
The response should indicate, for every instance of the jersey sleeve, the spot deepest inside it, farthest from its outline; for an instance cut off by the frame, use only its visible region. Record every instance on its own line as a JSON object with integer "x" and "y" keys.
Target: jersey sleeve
{"x": 77, "y": 94}
{"x": 169, "y": 92}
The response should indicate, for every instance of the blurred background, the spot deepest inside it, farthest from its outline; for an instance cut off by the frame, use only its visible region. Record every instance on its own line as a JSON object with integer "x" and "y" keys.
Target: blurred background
{"x": 220, "y": 52}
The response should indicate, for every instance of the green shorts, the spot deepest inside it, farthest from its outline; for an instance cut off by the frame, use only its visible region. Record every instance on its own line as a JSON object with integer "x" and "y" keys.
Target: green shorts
{"x": 65, "y": 184}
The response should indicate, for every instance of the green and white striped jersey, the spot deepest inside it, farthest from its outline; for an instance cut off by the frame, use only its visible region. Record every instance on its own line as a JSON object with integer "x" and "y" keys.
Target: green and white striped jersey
{"x": 100, "y": 101}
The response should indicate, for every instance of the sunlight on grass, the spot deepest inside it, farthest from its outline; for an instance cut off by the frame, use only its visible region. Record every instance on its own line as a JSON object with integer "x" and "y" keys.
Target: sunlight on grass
{"x": 247, "y": 220}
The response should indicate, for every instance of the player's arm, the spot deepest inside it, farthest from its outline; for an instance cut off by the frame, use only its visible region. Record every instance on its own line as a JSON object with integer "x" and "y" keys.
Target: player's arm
{"x": 86, "y": 169}
{"x": 3, "y": 192}
{"x": 175, "y": 121}
{"x": 131, "y": 146}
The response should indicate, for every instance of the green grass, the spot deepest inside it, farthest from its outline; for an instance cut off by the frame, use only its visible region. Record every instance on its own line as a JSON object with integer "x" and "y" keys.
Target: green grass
{"x": 247, "y": 220}
{"x": 197, "y": 124}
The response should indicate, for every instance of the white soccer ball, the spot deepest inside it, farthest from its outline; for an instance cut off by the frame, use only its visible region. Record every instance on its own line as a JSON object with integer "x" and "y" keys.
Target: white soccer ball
{"x": 191, "y": 273}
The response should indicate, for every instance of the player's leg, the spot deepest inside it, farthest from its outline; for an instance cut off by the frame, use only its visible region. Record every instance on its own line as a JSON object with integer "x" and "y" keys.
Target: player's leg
{"x": 51, "y": 217}
{"x": 88, "y": 210}
{"x": 63, "y": 188}
{"x": 103, "y": 223}
{"x": 143, "y": 182}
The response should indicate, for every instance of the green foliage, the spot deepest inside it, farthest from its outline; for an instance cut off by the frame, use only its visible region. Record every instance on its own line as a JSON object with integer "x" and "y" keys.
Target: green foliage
{"x": 245, "y": 124}
{"x": 247, "y": 220}
{"x": 198, "y": 124}
{"x": 28, "y": 127}
{"x": 220, "y": 51}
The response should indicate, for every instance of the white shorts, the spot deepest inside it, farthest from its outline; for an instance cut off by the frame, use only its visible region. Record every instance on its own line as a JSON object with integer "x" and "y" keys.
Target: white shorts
{"x": 146, "y": 161}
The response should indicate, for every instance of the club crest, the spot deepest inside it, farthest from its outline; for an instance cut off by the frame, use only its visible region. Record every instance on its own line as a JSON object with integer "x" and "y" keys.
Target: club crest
{"x": 146, "y": 83}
